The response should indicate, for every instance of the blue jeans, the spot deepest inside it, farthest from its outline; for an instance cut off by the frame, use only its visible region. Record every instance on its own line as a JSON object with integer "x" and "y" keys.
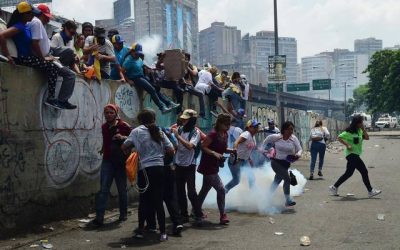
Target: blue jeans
{"x": 317, "y": 148}
{"x": 141, "y": 82}
{"x": 233, "y": 98}
{"x": 108, "y": 173}
{"x": 236, "y": 173}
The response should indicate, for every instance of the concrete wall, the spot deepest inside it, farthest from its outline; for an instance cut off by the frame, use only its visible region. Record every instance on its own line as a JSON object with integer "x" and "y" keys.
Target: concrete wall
{"x": 49, "y": 161}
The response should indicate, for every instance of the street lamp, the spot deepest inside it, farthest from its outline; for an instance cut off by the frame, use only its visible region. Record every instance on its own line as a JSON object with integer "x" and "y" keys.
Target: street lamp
{"x": 277, "y": 91}
{"x": 329, "y": 73}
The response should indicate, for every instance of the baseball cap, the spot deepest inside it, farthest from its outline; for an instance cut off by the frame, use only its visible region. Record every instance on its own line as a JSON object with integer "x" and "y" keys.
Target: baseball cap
{"x": 99, "y": 32}
{"x": 25, "y": 7}
{"x": 44, "y": 9}
{"x": 188, "y": 113}
{"x": 271, "y": 121}
{"x": 252, "y": 123}
{"x": 137, "y": 48}
{"x": 117, "y": 39}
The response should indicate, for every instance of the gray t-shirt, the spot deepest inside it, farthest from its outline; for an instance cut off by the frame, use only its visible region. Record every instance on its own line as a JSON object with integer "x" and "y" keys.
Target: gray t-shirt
{"x": 284, "y": 148}
{"x": 106, "y": 49}
{"x": 185, "y": 157}
{"x": 151, "y": 153}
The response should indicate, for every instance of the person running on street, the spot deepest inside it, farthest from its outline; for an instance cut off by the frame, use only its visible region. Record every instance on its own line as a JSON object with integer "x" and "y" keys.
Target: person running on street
{"x": 353, "y": 139}
{"x": 213, "y": 148}
{"x": 287, "y": 149}
{"x": 244, "y": 146}
{"x": 319, "y": 135}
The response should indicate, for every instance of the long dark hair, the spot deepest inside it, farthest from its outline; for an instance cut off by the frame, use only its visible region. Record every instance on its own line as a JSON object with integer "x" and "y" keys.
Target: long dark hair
{"x": 15, "y": 18}
{"x": 286, "y": 125}
{"x": 147, "y": 117}
{"x": 190, "y": 125}
{"x": 353, "y": 125}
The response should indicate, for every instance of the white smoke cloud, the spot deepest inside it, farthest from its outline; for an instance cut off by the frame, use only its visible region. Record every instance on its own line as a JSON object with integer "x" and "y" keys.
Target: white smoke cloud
{"x": 151, "y": 46}
{"x": 256, "y": 200}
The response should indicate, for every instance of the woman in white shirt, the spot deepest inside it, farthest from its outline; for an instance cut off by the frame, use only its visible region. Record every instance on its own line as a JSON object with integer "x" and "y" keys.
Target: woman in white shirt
{"x": 318, "y": 136}
{"x": 244, "y": 146}
{"x": 287, "y": 149}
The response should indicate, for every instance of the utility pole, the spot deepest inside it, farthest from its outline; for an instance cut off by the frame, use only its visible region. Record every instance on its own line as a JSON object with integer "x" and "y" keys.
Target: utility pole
{"x": 279, "y": 107}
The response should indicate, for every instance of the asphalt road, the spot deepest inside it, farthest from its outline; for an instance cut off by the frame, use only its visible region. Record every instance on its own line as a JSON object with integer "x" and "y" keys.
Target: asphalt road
{"x": 330, "y": 222}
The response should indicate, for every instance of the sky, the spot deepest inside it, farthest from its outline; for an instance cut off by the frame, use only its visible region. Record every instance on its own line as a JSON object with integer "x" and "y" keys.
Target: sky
{"x": 318, "y": 25}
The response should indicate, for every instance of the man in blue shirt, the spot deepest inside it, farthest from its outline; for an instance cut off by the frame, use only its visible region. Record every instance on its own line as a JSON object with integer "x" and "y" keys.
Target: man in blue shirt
{"x": 121, "y": 52}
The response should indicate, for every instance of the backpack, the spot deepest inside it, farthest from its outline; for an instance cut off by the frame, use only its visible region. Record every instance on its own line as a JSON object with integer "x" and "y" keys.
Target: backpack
{"x": 197, "y": 148}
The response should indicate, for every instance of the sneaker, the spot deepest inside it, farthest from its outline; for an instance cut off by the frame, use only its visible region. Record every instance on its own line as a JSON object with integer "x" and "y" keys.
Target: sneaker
{"x": 290, "y": 203}
{"x": 52, "y": 103}
{"x": 150, "y": 229}
{"x": 320, "y": 173}
{"x": 214, "y": 113}
{"x": 138, "y": 234}
{"x": 178, "y": 230}
{"x": 224, "y": 220}
{"x": 95, "y": 223}
{"x": 165, "y": 110}
{"x": 66, "y": 105}
{"x": 311, "y": 177}
{"x": 174, "y": 105}
{"x": 198, "y": 221}
{"x": 333, "y": 190}
{"x": 374, "y": 192}
{"x": 163, "y": 237}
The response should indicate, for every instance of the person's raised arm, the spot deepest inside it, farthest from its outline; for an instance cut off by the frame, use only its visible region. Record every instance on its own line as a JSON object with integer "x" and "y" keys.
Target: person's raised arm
{"x": 4, "y": 35}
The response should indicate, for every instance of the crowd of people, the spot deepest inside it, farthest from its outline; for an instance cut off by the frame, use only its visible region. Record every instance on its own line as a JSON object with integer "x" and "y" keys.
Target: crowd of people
{"x": 168, "y": 156}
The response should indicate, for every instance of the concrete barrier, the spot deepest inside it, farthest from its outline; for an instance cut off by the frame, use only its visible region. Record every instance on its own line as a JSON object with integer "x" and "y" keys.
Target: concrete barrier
{"x": 49, "y": 160}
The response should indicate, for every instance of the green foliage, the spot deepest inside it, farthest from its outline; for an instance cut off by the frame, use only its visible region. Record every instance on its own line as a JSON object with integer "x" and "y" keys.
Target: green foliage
{"x": 360, "y": 96}
{"x": 384, "y": 86}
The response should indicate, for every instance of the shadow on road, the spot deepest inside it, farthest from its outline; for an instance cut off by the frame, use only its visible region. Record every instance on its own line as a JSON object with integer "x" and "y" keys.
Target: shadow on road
{"x": 345, "y": 198}
{"x": 151, "y": 239}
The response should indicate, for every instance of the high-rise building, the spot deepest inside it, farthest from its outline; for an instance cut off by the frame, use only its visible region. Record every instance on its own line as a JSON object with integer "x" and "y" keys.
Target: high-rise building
{"x": 123, "y": 9}
{"x": 367, "y": 46}
{"x": 175, "y": 21}
{"x": 219, "y": 44}
{"x": 262, "y": 45}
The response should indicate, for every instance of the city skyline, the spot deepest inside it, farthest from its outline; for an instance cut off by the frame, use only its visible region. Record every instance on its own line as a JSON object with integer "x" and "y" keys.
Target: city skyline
{"x": 358, "y": 19}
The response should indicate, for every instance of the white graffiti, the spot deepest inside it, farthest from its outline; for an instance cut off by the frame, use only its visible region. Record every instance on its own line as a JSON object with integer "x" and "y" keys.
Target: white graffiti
{"x": 128, "y": 100}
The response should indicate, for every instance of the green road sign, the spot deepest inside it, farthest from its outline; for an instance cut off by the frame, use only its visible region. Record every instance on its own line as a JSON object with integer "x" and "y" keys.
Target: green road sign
{"x": 272, "y": 87}
{"x": 298, "y": 87}
{"x": 321, "y": 84}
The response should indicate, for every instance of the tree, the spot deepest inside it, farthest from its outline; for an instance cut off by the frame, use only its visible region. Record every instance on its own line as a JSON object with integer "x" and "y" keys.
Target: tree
{"x": 384, "y": 85}
{"x": 360, "y": 96}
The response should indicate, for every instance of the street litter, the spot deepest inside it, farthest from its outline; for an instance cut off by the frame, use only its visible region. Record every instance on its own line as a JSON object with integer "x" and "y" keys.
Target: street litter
{"x": 45, "y": 244}
{"x": 84, "y": 220}
{"x": 34, "y": 245}
{"x": 279, "y": 233}
{"x": 91, "y": 216}
{"x": 381, "y": 217}
{"x": 371, "y": 167}
{"x": 271, "y": 220}
{"x": 377, "y": 146}
{"x": 350, "y": 194}
{"x": 87, "y": 240}
{"x": 123, "y": 246}
{"x": 305, "y": 241}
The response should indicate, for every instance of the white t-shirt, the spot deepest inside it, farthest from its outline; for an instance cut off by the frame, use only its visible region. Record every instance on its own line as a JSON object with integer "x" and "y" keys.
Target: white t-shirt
{"x": 39, "y": 33}
{"x": 284, "y": 148}
{"x": 184, "y": 157}
{"x": 245, "y": 148}
{"x": 106, "y": 49}
{"x": 57, "y": 42}
{"x": 246, "y": 91}
{"x": 233, "y": 135}
{"x": 151, "y": 153}
{"x": 205, "y": 79}
{"x": 320, "y": 132}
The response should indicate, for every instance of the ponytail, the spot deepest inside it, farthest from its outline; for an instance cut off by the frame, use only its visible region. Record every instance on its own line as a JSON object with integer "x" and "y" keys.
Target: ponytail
{"x": 147, "y": 117}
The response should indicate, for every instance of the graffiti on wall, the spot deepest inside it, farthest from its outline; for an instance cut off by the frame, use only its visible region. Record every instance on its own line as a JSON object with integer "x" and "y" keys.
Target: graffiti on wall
{"x": 262, "y": 114}
{"x": 127, "y": 99}
{"x": 73, "y": 137}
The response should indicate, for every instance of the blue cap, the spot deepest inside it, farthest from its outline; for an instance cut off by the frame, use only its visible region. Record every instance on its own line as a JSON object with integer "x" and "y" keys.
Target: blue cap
{"x": 137, "y": 48}
{"x": 117, "y": 39}
{"x": 252, "y": 123}
{"x": 271, "y": 121}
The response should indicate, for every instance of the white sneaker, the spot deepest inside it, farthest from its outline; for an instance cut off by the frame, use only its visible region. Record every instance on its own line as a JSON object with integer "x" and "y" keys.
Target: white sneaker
{"x": 374, "y": 192}
{"x": 333, "y": 190}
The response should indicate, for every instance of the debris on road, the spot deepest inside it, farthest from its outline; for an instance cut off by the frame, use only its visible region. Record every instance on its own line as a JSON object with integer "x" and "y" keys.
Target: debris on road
{"x": 123, "y": 246}
{"x": 84, "y": 220}
{"x": 350, "y": 195}
{"x": 380, "y": 217}
{"x": 34, "y": 246}
{"x": 46, "y": 245}
{"x": 279, "y": 233}
{"x": 271, "y": 220}
{"x": 305, "y": 241}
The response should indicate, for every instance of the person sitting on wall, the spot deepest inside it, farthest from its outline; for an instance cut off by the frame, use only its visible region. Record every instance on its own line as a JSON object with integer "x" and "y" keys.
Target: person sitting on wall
{"x": 78, "y": 50}
{"x": 216, "y": 91}
{"x": 33, "y": 47}
{"x": 234, "y": 92}
{"x": 87, "y": 29}
{"x": 133, "y": 71}
{"x": 121, "y": 52}
{"x": 246, "y": 93}
{"x": 223, "y": 79}
{"x": 104, "y": 48}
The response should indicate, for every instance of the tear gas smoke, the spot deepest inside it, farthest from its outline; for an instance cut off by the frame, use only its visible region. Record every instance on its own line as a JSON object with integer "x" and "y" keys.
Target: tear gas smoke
{"x": 151, "y": 46}
{"x": 257, "y": 199}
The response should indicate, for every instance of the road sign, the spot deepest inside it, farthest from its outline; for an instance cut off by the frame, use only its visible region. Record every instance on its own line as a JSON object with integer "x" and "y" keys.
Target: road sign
{"x": 277, "y": 68}
{"x": 11, "y": 3}
{"x": 298, "y": 87}
{"x": 321, "y": 84}
{"x": 272, "y": 87}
